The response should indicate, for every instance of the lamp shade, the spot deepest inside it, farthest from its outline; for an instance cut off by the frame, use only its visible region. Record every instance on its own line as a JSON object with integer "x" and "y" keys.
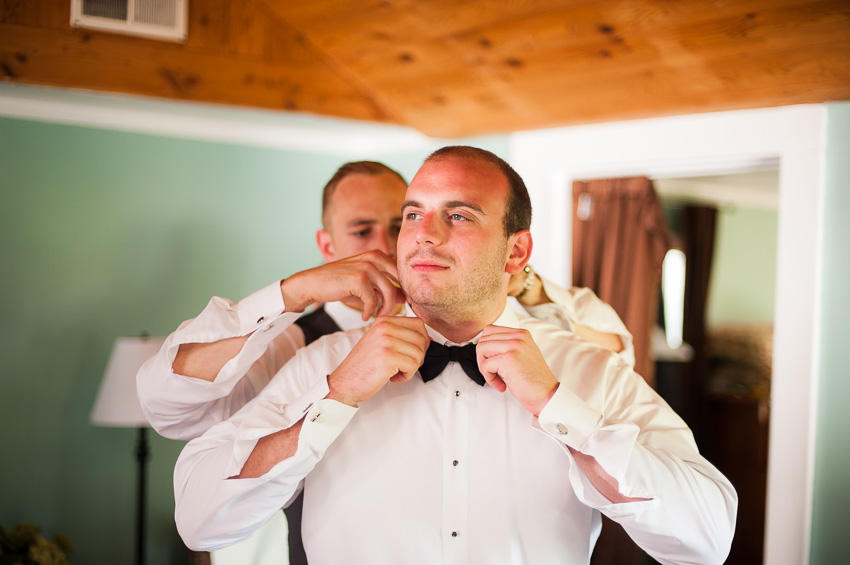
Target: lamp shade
{"x": 117, "y": 403}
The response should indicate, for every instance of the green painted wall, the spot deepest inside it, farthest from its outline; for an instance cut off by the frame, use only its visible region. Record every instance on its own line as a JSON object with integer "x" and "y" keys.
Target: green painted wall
{"x": 106, "y": 233}
{"x": 743, "y": 277}
{"x": 831, "y": 509}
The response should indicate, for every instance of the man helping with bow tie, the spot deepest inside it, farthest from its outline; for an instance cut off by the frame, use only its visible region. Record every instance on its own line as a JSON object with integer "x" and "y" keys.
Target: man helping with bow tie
{"x": 432, "y": 466}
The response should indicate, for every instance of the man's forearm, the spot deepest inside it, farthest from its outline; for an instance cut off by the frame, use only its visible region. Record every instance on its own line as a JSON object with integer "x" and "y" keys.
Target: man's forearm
{"x": 269, "y": 451}
{"x": 205, "y": 360}
{"x": 211, "y": 511}
{"x": 227, "y": 483}
{"x": 601, "y": 480}
{"x": 225, "y": 368}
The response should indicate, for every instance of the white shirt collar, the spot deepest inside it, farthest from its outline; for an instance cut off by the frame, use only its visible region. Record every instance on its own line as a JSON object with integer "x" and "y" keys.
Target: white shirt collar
{"x": 508, "y": 318}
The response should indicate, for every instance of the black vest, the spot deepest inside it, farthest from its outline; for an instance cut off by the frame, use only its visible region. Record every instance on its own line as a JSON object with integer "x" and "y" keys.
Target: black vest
{"x": 314, "y": 325}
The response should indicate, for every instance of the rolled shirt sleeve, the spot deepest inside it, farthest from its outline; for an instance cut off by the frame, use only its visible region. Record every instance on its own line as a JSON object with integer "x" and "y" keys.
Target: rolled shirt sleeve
{"x": 645, "y": 446}
{"x": 183, "y": 407}
{"x": 213, "y": 510}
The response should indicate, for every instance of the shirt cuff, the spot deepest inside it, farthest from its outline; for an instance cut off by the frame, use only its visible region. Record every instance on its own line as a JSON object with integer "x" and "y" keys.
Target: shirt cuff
{"x": 323, "y": 423}
{"x": 261, "y": 308}
{"x": 324, "y": 420}
{"x": 569, "y": 419}
{"x": 574, "y": 423}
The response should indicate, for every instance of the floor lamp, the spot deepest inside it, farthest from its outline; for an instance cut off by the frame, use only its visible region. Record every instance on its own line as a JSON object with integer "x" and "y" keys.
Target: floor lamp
{"x": 118, "y": 406}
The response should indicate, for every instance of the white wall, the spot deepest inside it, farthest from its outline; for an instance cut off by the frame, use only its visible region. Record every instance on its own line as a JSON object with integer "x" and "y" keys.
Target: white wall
{"x": 709, "y": 144}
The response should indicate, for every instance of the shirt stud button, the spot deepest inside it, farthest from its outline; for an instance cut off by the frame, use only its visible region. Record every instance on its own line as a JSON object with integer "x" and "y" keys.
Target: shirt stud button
{"x": 455, "y": 462}
{"x": 457, "y": 393}
{"x": 260, "y": 321}
{"x": 562, "y": 429}
{"x": 454, "y": 534}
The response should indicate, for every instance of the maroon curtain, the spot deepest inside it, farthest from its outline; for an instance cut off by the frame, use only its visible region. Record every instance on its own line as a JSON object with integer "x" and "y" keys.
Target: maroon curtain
{"x": 620, "y": 238}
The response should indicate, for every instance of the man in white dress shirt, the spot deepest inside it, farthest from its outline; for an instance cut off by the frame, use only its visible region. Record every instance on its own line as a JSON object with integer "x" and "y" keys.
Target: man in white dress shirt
{"x": 205, "y": 371}
{"x": 213, "y": 364}
{"x": 399, "y": 470}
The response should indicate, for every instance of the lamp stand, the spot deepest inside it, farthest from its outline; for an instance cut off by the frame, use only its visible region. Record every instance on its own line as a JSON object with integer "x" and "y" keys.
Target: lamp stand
{"x": 142, "y": 456}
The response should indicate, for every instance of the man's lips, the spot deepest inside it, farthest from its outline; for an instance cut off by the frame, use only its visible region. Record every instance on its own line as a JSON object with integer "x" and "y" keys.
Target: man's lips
{"x": 427, "y": 266}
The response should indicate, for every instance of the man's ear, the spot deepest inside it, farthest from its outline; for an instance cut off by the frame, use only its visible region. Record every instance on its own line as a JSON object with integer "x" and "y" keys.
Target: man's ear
{"x": 325, "y": 243}
{"x": 519, "y": 247}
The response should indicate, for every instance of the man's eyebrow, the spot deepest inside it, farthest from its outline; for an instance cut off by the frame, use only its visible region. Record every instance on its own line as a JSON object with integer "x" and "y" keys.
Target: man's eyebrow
{"x": 449, "y": 204}
{"x": 361, "y": 222}
{"x": 462, "y": 204}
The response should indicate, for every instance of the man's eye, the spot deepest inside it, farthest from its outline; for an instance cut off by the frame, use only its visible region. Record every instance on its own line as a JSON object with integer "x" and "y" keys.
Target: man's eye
{"x": 361, "y": 233}
{"x": 395, "y": 229}
{"x": 412, "y": 216}
{"x": 458, "y": 218}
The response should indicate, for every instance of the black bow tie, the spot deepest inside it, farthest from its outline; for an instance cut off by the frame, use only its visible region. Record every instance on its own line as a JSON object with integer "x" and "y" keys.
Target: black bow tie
{"x": 438, "y": 356}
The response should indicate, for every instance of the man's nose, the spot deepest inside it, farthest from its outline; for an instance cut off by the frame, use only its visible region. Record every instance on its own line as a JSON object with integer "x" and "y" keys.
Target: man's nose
{"x": 430, "y": 230}
{"x": 386, "y": 243}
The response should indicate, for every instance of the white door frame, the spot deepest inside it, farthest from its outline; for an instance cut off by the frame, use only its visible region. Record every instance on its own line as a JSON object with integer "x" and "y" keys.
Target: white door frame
{"x": 709, "y": 144}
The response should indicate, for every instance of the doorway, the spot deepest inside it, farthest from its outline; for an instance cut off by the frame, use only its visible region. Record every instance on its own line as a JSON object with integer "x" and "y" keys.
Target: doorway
{"x": 722, "y": 385}
{"x": 791, "y": 138}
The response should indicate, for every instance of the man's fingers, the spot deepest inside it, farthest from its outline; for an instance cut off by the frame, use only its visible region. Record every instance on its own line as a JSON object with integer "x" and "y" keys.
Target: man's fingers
{"x": 369, "y": 279}
{"x": 495, "y": 381}
{"x": 407, "y": 335}
{"x": 489, "y": 368}
{"x": 392, "y": 349}
{"x": 388, "y": 287}
{"x": 370, "y": 303}
{"x": 409, "y": 341}
{"x": 502, "y": 333}
{"x": 381, "y": 260}
{"x": 403, "y": 376}
{"x": 373, "y": 290}
{"x": 497, "y": 340}
{"x": 377, "y": 290}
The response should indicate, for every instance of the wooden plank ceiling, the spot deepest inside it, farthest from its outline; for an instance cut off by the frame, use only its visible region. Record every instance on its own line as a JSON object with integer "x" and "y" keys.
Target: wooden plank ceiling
{"x": 452, "y": 68}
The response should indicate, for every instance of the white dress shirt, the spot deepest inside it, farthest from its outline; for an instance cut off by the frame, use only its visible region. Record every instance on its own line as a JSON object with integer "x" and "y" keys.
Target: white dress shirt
{"x": 182, "y": 407}
{"x": 580, "y": 305}
{"x": 452, "y": 472}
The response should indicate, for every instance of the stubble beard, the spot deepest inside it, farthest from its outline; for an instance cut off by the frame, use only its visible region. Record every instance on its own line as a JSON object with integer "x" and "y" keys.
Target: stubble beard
{"x": 461, "y": 299}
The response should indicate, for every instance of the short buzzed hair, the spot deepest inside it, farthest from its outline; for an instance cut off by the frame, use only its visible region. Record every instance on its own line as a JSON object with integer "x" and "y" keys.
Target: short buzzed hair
{"x": 371, "y": 168}
{"x": 518, "y": 206}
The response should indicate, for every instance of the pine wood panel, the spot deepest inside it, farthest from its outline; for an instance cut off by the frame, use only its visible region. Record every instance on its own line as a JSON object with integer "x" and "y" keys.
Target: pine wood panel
{"x": 533, "y": 64}
{"x": 260, "y": 65}
{"x": 43, "y": 13}
{"x": 456, "y": 67}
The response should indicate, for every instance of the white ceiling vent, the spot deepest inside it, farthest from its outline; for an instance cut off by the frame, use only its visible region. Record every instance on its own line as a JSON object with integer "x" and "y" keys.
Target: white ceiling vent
{"x": 163, "y": 19}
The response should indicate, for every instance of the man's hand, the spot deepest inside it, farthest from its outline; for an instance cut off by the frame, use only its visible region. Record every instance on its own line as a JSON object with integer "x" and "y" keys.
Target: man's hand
{"x": 391, "y": 350}
{"x": 509, "y": 358}
{"x": 368, "y": 282}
